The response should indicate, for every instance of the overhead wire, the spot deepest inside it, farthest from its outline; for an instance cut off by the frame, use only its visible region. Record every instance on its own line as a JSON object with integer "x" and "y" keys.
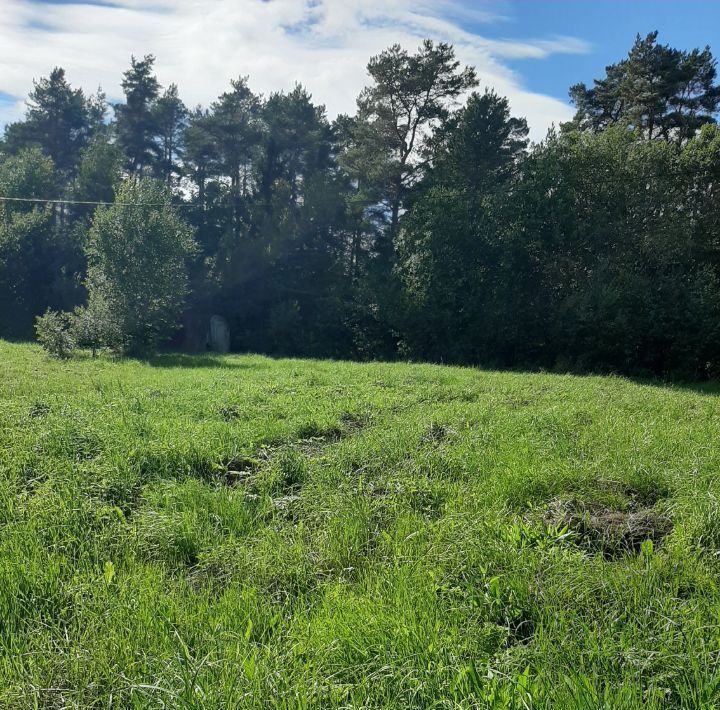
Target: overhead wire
{"x": 603, "y": 180}
{"x": 37, "y": 200}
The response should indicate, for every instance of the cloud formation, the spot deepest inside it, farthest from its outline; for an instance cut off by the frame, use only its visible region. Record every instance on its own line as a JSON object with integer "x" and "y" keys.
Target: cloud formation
{"x": 203, "y": 44}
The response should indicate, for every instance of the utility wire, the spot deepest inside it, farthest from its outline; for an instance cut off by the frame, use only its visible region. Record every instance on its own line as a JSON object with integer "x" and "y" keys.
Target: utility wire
{"x": 37, "y": 200}
{"x": 601, "y": 180}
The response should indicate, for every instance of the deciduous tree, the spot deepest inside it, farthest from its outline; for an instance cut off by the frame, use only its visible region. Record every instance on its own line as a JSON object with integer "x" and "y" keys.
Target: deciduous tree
{"x": 137, "y": 254}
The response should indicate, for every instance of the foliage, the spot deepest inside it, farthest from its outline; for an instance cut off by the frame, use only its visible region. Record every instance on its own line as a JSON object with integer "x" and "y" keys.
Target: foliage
{"x": 32, "y": 251}
{"x": 660, "y": 91}
{"x": 422, "y": 227}
{"x": 137, "y": 253}
{"x": 54, "y": 333}
{"x": 93, "y": 326}
{"x": 411, "y": 95}
{"x": 171, "y": 119}
{"x": 136, "y": 119}
{"x": 59, "y": 121}
{"x": 453, "y": 238}
{"x": 99, "y": 172}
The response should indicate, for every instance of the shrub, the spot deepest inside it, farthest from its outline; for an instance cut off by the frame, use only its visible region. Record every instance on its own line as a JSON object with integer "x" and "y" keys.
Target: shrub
{"x": 55, "y": 333}
{"x": 94, "y": 327}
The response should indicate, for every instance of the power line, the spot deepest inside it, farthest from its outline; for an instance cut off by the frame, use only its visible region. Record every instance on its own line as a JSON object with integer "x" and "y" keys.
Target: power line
{"x": 523, "y": 185}
{"x": 37, "y": 200}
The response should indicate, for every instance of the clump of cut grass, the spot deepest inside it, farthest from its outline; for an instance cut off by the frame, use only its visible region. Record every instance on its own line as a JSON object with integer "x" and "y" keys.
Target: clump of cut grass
{"x": 608, "y": 531}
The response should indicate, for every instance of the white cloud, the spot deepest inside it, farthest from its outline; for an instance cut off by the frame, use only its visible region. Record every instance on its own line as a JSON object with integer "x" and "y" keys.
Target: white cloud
{"x": 202, "y": 44}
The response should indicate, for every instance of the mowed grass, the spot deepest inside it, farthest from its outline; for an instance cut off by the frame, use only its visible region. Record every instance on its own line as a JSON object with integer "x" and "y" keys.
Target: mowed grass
{"x": 241, "y": 532}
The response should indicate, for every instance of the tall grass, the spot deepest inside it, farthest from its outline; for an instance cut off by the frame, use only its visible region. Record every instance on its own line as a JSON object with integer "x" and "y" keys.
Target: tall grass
{"x": 242, "y": 532}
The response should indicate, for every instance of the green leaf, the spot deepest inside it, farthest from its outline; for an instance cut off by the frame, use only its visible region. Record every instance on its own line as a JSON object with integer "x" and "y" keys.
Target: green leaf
{"x": 109, "y": 572}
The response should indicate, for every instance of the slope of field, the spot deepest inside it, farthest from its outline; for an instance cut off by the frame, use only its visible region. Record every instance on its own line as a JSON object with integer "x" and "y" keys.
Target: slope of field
{"x": 246, "y": 532}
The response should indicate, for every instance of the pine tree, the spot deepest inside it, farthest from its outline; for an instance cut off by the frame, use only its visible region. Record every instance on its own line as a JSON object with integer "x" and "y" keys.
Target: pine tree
{"x": 137, "y": 126}
{"x": 171, "y": 119}
{"x": 660, "y": 91}
{"x": 58, "y": 121}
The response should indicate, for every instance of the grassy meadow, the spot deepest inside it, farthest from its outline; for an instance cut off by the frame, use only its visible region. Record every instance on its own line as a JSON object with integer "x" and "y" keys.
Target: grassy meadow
{"x": 242, "y": 532}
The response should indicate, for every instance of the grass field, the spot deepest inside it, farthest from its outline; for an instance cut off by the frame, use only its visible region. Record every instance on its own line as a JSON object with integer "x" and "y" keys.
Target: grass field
{"x": 241, "y": 532}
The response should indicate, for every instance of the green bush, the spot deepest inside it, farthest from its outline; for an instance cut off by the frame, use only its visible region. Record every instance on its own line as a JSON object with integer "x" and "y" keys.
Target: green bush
{"x": 94, "y": 327}
{"x": 137, "y": 274}
{"x": 55, "y": 333}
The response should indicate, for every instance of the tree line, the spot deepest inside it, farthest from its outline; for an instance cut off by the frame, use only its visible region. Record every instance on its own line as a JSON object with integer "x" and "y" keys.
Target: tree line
{"x": 425, "y": 226}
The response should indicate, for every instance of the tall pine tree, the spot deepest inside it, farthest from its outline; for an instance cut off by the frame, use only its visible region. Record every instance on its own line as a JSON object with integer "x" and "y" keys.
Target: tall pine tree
{"x": 136, "y": 121}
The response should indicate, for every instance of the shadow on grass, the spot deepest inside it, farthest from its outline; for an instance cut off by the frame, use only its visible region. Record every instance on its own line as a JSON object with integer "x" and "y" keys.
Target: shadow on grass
{"x": 236, "y": 361}
{"x": 709, "y": 388}
{"x": 172, "y": 360}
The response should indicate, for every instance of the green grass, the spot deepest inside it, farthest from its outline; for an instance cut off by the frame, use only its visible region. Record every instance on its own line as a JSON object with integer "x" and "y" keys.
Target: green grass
{"x": 241, "y": 532}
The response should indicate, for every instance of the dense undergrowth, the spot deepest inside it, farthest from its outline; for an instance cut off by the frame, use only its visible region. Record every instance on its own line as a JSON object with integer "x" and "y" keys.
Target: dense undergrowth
{"x": 245, "y": 532}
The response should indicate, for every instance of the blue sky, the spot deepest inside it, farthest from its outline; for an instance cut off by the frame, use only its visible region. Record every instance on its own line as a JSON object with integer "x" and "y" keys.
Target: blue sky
{"x": 609, "y": 26}
{"x": 528, "y": 50}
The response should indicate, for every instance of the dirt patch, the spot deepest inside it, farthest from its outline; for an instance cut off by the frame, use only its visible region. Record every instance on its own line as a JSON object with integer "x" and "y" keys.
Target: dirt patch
{"x": 385, "y": 489}
{"x": 610, "y": 532}
{"x": 312, "y": 438}
{"x": 287, "y": 508}
{"x": 521, "y": 630}
{"x": 645, "y": 495}
{"x": 285, "y": 502}
{"x": 85, "y": 446}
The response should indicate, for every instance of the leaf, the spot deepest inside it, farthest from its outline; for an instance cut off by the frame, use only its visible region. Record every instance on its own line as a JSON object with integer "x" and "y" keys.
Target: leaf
{"x": 523, "y": 680}
{"x": 109, "y": 572}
